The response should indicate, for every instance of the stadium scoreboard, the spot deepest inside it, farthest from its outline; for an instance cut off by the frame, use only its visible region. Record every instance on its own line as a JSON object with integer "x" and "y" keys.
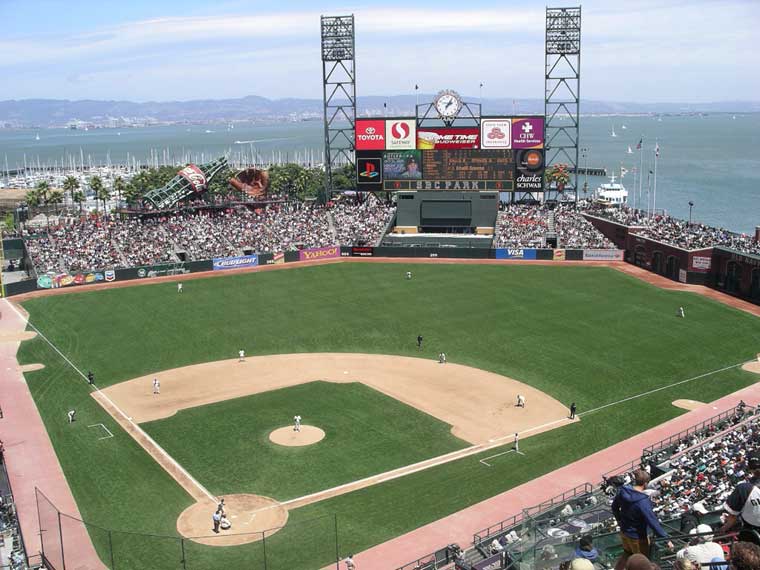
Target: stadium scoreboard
{"x": 503, "y": 153}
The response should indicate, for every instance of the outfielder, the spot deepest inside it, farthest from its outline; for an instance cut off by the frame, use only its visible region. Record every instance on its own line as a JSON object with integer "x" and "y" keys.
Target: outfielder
{"x": 408, "y": 274}
{"x": 681, "y": 313}
{"x": 71, "y": 414}
{"x": 297, "y": 423}
{"x": 179, "y": 287}
{"x": 241, "y": 355}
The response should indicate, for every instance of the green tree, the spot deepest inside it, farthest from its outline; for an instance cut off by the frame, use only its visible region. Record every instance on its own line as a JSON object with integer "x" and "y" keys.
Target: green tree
{"x": 119, "y": 186}
{"x": 78, "y": 198}
{"x": 55, "y": 197}
{"x": 558, "y": 174}
{"x": 70, "y": 185}
{"x": 32, "y": 198}
{"x": 99, "y": 189}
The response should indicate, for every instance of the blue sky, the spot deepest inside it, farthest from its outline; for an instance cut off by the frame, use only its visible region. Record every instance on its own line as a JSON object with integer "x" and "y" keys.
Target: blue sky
{"x": 647, "y": 50}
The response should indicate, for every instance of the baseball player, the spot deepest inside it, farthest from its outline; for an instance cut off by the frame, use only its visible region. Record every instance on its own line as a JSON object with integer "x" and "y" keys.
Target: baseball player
{"x": 517, "y": 442}
{"x": 296, "y": 423}
{"x": 90, "y": 378}
{"x": 572, "y": 411}
{"x": 442, "y": 358}
{"x": 520, "y": 401}
{"x": 419, "y": 342}
{"x": 179, "y": 287}
{"x": 71, "y": 414}
{"x": 681, "y": 313}
{"x": 408, "y": 274}
{"x": 350, "y": 562}
{"x": 241, "y": 355}
{"x": 156, "y": 386}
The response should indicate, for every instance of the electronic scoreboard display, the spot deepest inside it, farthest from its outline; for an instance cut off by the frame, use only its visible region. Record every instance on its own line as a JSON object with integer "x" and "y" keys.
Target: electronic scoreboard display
{"x": 503, "y": 153}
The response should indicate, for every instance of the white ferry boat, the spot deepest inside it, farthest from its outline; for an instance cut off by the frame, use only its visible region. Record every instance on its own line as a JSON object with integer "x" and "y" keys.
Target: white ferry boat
{"x": 613, "y": 193}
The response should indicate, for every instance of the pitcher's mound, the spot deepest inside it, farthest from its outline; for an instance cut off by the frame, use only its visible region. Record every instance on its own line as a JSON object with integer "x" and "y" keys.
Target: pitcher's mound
{"x": 250, "y": 516}
{"x": 288, "y": 436}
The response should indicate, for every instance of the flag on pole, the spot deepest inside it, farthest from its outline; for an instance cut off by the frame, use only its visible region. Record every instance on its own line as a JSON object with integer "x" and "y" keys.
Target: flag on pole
{"x": 641, "y": 141}
{"x": 657, "y": 150}
{"x": 416, "y": 87}
{"x": 481, "y": 85}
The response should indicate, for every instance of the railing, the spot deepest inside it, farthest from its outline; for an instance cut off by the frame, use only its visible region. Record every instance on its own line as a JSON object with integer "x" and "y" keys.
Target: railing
{"x": 651, "y": 450}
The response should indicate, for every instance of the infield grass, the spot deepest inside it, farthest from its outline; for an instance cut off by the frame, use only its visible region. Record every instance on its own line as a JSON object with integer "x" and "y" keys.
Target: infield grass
{"x": 584, "y": 334}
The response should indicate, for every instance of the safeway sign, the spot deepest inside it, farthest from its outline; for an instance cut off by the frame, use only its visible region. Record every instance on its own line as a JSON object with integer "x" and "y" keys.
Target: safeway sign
{"x": 400, "y": 134}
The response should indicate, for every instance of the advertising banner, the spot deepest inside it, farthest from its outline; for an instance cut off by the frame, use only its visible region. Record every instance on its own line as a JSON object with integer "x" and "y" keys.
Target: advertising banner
{"x": 515, "y": 253}
{"x": 496, "y": 133}
{"x": 448, "y": 138}
{"x": 603, "y": 255}
{"x": 370, "y": 134}
{"x": 362, "y": 251}
{"x": 223, "y": 263}
{"x": 319, "y": 253}
{"x": 700, "y": 263}
{"x": 530, "y": 160}
{"x": 53, "y": 280}
{"x": 528, "y": 132}
{"x": 682, "y": 275}
{"x": 400, "y": 134}
{"x": 369, "y": 170}
{"x": 529, "y": 181}
{"x": 402, "y": 165}
{"x": 559, "y": 255}
{"x": 194, "y": 176}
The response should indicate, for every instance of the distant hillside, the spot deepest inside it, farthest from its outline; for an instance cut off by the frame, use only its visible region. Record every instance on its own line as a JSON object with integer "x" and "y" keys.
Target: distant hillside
{"x": 50, "y": 112}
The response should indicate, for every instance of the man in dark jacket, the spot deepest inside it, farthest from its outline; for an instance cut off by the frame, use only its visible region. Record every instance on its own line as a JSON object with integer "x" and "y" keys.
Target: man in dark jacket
{"x": 633, "y": 512}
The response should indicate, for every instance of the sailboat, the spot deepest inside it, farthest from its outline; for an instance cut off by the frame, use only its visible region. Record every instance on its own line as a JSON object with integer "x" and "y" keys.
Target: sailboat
{"x": 613, "y": 131}
{"x": 630, "y": 150}
{"x": 623, "y": 127}
{"x": 37, "y": 137}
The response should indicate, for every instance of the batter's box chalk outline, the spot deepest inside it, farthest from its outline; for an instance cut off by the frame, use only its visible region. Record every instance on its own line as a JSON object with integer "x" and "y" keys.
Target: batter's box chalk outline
{"x": 484, "y": 461}
{"x": 110, "y": 435}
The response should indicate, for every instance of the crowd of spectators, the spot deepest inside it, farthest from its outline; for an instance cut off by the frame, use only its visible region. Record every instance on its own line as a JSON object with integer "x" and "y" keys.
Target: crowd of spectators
{"x": 111, "y": 242}
{"x": 361, "y": 224}
{"x": 521, "y": 226}
{"x": 674, "y": 231}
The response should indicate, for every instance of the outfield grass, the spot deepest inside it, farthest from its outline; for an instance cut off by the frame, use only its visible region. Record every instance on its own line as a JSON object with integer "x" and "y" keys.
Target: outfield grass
{"x": 583, "y": 334}
{"x": 226, "y": 445}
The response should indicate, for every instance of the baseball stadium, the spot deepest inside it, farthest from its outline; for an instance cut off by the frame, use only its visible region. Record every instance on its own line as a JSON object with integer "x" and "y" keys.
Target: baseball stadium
{"x": 454, "y": 362}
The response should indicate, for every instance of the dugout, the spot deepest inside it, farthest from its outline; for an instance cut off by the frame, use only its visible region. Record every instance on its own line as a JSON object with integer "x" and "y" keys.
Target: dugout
{"x": 423, "y": 214}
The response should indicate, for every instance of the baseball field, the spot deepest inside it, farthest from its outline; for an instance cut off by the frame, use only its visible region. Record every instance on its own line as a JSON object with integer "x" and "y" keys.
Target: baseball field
{"x": 395, "y": 439}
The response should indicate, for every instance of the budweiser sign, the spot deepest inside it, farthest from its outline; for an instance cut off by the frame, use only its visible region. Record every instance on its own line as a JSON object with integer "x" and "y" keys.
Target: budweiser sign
{"x": 194, "y": 176}
{"x": 451, "y": 138}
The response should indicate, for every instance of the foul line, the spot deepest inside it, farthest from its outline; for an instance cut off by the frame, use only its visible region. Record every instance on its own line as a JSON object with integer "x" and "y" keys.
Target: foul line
{"x": 137, "y": 428}
{"x": 629, "y": 398}
{"x": 484, "y": 462}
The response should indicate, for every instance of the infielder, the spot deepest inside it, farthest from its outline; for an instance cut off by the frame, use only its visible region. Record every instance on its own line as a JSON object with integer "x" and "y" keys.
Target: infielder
{"x": 156, "y": 386}
{"x": 572, "y": 411}
{"x": 517, "y": 442}
{"x": 71, "y": 414}
{"x": 419, "y": 342}
{"x": 179, "y": 287}
{"x": 442, "y": 358}
{"x": 520, "y": 401}
{"x": 296, "y": 423}
{"x": 241, "y": 355}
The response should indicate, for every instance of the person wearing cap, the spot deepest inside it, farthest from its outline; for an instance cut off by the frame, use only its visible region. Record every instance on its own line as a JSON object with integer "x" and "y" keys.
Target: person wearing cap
{"x": 581, "y": 564}
{"x": 693, "y": 517}
{"x": 744, "y": 502}
{"x": 633, "y": 512}
{"x": 701, "y": 549}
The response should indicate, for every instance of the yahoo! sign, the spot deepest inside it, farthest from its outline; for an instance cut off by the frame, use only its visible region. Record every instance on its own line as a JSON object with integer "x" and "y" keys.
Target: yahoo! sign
{"x": 319, "y": 253}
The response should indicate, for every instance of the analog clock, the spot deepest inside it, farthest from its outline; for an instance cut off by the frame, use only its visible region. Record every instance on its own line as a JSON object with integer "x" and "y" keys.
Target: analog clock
{"x": 448, "y": 103}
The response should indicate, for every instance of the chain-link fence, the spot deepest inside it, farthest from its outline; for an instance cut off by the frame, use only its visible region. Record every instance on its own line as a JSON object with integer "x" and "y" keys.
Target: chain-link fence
{"x": 304, "y": 544}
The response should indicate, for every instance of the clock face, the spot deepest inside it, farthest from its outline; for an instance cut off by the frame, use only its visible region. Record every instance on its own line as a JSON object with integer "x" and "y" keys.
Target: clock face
{"x": 448, "y": 103}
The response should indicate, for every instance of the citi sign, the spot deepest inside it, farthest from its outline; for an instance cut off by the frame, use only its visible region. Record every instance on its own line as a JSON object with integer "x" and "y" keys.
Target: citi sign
{"x": 400, "y": 134}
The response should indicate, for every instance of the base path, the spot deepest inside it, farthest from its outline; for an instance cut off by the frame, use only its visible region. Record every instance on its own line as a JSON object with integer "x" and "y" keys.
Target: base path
{"x": 479, "y": 405}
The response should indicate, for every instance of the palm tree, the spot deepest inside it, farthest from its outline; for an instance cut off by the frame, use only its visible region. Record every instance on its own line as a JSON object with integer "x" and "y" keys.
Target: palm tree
{"x": 119, "y": 186}
{"x": 70, "y": 185}
{"x": 55, "y": 197}
{"x": 78, "y": 197}
{"x": 103, "y": 194}
{"x": 96, "y": 185}
{"x": 32, "y": 198}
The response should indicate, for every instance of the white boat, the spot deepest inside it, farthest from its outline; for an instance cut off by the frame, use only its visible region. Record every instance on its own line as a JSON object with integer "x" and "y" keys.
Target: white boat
{"x": 37, "y": 137}
{"x": 613, "y": 193}
{"x": 613, "y": 131}
{"x": 623, "y": 127}
{"x": 629, "y": 151}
